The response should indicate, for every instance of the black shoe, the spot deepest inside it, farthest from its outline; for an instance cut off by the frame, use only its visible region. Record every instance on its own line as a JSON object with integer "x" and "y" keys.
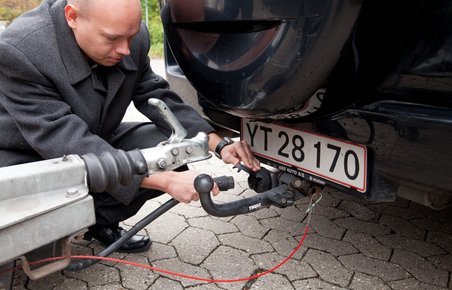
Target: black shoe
{"x": 107, "y": 235}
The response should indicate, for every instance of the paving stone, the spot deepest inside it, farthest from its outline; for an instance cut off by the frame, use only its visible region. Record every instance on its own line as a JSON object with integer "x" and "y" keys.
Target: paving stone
{"x": 166, "y": 227}
{"x": 207, "y": 286}
{"x": 412, "y": 283}
{"x": 96, "y": 275}
{"x": 442, "y": 262}
{"x": 247, "y": 244}
{"x": 291, "y": 213}
{"x": 420, "y": 268}
{"x": 303, "y": 202}
{"x": 194, "y": 245}
{"x": 344, "y": 196}
{"x": 422, "y": 248}
{"x": 87, "y": 249}
{"x": 443, "y": 240}
{"x": 329, "y": 198}
{"x": 427, "y": 224}
{"x": 328, "y": 267}
{"x": 390, "y": 209}
{"x": 367, "y": 245}
{"x": 229, "y": 263}
{"x": 402, "y": 227}
{"x": 358, "y": 210}
{"x": 264, "y": 213}
{"x": 249, "y": 226}
{"x": 293, "y": 228}
{"x": 364, "y": 281}
{"x": 160, "y": 251}
{"x": 325, "y": 227}
{"x": 315, "y": 283}
{"x": 293, "y": 269}
{"x": 215, "y": 225}
{"x": 48, "y": 282}
{"x": 176, "y": 265}
{"x": 444, "y": 215}
{"x": 130, "y": 273}
{"x": 189, "y": 211}
{"x": 19, "y": 280}
{"x": 166, "y": 284}
{"x": 70, "y": 283}
{"x": 271, "y": 282}
{"x": 115, "y": 286}
{"x": 329, "y": 212}
{"x": 385, "y": 270}
{"x": 333, "y": 246}
{"x": 400, "y": 202}
{"x": 284, "y": 243}
{"x": 372, "y": 229}
{"x": 224, "y": 219}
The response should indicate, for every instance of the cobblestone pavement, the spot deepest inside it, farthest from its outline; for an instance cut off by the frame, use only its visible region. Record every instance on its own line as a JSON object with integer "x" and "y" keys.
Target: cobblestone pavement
{"x": 351, "y": 244}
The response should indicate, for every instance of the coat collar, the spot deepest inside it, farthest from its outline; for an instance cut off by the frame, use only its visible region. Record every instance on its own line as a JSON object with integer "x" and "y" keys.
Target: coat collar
{"x": 75, "y": 62}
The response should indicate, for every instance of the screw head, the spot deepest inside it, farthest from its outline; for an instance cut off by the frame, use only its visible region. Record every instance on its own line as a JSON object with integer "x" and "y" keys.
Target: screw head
{"x": 161, "y": 163}
{"x": 175, "y": 151}
{"x": 189, "y": 150}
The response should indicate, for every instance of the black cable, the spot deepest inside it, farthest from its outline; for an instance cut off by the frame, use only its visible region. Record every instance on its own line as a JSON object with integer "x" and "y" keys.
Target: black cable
{"x": 80, "y": 265}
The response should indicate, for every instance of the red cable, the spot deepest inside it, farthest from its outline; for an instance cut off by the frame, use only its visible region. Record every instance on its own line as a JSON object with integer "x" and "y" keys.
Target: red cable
{"x": 300, "y": 243}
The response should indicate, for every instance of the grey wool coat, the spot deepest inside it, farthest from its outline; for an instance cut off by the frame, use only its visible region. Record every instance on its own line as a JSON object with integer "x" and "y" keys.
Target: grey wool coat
{"x": 53, "y": 104}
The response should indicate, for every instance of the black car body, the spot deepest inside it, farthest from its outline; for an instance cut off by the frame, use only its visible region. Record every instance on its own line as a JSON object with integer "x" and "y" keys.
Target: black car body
{"x": 360, "y": 89}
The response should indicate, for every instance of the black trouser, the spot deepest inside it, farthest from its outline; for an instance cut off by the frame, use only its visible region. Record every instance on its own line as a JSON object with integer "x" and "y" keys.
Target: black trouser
{"x": 109, "y": 210}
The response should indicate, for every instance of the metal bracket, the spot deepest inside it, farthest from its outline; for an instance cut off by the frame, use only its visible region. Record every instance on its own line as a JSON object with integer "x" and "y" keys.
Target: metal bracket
{"x": 63, "y": 245}
{"x": 178, "y": 131}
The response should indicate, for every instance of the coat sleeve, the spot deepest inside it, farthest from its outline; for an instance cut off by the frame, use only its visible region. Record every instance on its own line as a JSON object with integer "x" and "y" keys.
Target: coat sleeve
{"x": 151, "y": 85}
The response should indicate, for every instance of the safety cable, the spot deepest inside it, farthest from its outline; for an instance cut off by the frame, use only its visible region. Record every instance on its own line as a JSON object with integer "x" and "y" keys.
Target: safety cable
{"x": 311, "y": 205}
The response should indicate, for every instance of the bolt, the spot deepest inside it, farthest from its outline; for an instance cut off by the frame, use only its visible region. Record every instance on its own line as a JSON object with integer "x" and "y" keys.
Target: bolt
{"x": 72, "y": 192}
{"x": 175, "y": 151}
{"x": 189, "y": 150}
{"x": 161, "y": 163}
{"x": 297, "y": 183}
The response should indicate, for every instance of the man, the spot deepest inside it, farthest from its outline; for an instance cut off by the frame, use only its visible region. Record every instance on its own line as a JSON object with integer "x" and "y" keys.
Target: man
{"x": 68, "y": 71}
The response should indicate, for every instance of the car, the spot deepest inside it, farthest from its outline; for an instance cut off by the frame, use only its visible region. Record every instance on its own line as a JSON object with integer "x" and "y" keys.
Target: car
{"x": 353, "y": 95}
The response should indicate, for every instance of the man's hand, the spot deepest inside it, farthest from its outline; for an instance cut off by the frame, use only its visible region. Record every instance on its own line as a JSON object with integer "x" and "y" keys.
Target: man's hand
{"x": 235, "y": 153}
{"x": 238, "y": 152}
{"x": 180, "y": 185}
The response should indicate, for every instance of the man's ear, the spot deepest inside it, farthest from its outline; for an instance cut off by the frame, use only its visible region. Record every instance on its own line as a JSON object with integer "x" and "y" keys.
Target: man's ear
{"x": 71, "y": 14}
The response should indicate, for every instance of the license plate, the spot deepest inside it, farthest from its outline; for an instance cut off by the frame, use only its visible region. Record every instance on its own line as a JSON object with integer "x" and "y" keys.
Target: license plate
{"x": 338, "y": 161}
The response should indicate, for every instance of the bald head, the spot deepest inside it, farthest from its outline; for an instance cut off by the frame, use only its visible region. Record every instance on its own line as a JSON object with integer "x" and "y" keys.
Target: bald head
{"x": 104, "y": 28}
{"x": 84, "y": 7}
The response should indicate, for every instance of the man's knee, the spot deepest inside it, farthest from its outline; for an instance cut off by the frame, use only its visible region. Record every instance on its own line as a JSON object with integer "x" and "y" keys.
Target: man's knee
{"x": 144, "y": 135}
